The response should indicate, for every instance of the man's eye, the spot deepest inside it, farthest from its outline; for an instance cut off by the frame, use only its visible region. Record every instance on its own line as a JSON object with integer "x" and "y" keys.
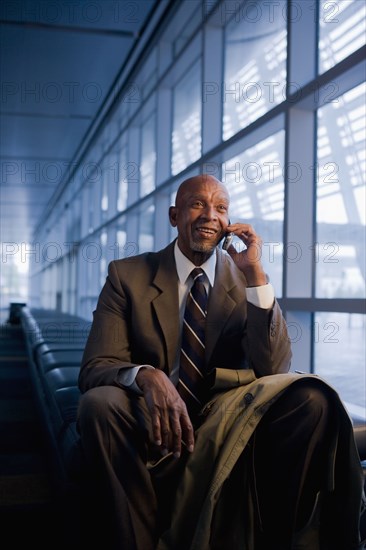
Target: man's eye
{"x": 222, "y": 208}
{"x": 198, "y": 204}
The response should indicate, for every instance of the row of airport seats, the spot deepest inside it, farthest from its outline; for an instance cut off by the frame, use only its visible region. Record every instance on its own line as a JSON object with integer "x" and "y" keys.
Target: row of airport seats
{"x": 55, "y": 343}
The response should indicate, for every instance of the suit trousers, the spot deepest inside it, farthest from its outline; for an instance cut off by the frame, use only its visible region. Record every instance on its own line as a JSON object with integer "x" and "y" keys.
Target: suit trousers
{"x": 127, "y": 507}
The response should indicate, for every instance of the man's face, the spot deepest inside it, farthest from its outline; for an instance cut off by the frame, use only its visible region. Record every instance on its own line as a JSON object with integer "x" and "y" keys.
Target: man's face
{"x": 201, "y": 217}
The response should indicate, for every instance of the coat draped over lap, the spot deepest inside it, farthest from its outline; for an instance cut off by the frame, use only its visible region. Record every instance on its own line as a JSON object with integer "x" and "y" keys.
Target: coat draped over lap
{"x": 203, "y": 504}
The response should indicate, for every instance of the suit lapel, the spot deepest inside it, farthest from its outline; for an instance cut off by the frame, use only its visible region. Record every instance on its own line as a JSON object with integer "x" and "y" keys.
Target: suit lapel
{"x": 221, "y": 301}
{"x": 165, "y": 302}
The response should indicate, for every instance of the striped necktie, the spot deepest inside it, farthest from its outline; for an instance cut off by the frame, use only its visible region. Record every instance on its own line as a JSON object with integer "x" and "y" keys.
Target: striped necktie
{"x": 191, "y": 384}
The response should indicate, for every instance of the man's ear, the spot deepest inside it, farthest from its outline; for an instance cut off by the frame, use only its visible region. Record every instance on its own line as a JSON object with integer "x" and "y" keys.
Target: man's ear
{"x": 173, "y": 215}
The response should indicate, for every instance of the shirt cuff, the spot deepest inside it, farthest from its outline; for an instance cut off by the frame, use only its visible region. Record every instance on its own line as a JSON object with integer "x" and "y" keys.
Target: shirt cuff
{"x": 261, "y": 296}
{"x": 127, "y": 378}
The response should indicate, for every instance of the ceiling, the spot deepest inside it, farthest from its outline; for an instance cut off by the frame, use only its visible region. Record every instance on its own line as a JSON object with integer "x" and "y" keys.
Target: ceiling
{"x": 58, "y": 62}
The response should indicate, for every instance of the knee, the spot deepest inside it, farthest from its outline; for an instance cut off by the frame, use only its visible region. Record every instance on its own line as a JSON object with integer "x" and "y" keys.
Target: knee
{"x": 310, "y": 400}
{"x": 96, "y": 407}
{"x": 313, "y": 397}
{"x": 304, "y": 403}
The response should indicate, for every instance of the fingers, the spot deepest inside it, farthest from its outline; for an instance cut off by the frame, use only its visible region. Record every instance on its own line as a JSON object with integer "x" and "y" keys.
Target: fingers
{"x": 182, "y": 431}
{"x": 252, "y": 241}
{"x": 156, "y": 428}
{"x": 249, "y": 261}
{"x": 169, "y": 418}
{"x": 176, "y": 437}
{"x": 187, "y": 433}
{"x": 171, "y": 427}
{"x": 160, "y": 429}
{"x": 245, "y": 232}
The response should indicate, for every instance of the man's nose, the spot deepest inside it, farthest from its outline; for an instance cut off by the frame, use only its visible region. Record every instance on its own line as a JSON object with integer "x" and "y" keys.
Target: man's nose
{"x": 210, "y": 212}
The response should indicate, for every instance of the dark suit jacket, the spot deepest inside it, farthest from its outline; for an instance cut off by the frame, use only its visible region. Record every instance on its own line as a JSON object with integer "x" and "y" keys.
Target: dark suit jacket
{"x": 137, "y": 322}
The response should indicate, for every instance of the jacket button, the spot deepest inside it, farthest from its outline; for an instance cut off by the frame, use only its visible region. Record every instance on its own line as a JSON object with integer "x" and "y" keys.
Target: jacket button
{"x": 248, "y": 398}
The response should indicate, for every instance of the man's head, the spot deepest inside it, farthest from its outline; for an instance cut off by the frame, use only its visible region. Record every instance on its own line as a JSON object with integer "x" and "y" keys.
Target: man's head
{"x": 200, "y": 215}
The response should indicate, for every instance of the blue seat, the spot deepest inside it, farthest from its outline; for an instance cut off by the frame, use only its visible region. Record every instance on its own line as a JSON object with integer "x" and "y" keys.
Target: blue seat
{"x": 55, "y": 343}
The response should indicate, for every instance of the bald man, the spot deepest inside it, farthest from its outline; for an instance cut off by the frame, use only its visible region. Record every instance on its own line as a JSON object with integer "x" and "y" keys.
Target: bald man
{"x": 132, "y": 415}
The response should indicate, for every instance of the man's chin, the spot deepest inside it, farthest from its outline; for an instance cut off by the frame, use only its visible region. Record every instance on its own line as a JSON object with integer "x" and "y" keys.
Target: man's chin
{"x": 205, "y": 248}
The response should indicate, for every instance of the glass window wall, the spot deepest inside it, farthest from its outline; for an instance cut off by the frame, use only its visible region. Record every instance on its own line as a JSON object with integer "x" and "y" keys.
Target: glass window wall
{"x": 146, "y": 229}
{"x": 255, "y": 63}
{"x": 186, "y": 137}
{"x": 341, "y": 197}
{"x": 339, "y": 355}
{"x": 148, "y": 156}
{"x": 255, "y": 180}
{"x": 342, "y": 30}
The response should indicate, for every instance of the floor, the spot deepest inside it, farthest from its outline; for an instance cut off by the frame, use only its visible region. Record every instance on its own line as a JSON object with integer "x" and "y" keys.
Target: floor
{"x": 30, "y": 513}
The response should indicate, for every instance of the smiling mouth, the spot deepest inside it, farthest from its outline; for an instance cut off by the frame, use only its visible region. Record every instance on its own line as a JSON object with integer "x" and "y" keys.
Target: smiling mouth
{"x": 206, "y": 232}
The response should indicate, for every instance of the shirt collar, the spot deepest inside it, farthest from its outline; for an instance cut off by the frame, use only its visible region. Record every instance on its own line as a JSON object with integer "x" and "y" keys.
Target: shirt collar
{"x": 184, "y": 266}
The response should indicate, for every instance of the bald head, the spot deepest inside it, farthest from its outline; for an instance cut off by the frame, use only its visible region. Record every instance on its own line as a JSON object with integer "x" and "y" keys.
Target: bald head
{"x": 195, "y": 184}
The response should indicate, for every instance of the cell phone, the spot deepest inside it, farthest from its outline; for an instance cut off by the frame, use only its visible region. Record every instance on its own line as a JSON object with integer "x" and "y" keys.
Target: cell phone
{"x": 227, "y": 241}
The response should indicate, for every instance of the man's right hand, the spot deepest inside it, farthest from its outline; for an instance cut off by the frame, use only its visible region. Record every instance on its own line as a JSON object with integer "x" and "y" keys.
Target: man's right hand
{"x": 170, "y": 420}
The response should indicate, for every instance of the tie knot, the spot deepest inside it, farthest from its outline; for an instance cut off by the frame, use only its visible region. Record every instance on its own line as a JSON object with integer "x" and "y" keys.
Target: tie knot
{"x": 196, "y": 273}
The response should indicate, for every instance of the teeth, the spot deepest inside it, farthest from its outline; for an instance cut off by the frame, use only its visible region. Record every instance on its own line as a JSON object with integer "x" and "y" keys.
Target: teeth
{"x": 204, "y": 230}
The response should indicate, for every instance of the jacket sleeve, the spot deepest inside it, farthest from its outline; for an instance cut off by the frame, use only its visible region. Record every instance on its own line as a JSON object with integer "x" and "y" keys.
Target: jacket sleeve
{"x": 107, "y": 349}
{"x": 266, "y": 341}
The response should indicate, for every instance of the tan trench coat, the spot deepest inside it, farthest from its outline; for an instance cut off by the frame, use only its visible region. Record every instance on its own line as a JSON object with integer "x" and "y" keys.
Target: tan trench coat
{"x": 200, "y": 514}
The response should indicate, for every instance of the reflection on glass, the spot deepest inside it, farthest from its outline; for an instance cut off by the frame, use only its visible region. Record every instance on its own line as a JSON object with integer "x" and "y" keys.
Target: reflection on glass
{"x": 148, "y": 157}
{"x": 88, "y": 256}
{"x": 103, "y": 260}
{"x": 148, "y": 75}
{"x": 186, "y": 137}
{"x": 122, "y": 180}
{"x": 255, "y": 63}
{"x": 121, "y": 241}
{"x": 90, "y": 206}
{"x": 341, "y": 200}
{"x": 146, "y": 232}
{"x": 342, "y": 30}
{"x": 173, "y": 230}
{"x": 256, "y": 186}
{"x": 339, "y": 342}
{"x": 14, "y": 271}
{"x": 104, "y": 198}
{"x": 124, "y": 248}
